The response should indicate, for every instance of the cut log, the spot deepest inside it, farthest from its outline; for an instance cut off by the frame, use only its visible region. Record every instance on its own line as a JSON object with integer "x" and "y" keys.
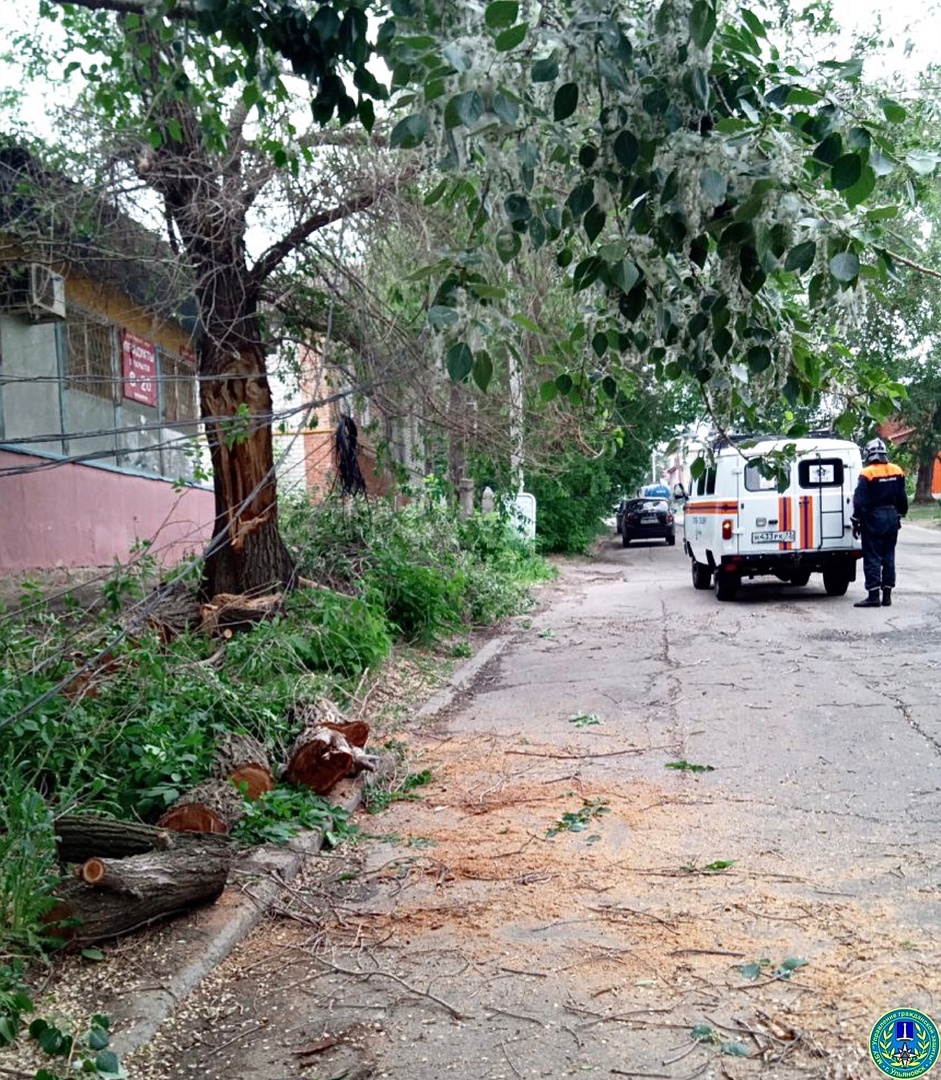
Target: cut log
{"x": 108, "y": 897}
{"x": 80, "y": 836}
{"x": 214, "y": 806}
{"x": 243, "y": 760}
{"x": 231, "y": 611}
{"x": 84, "y": 836}
{"x": 321, "y": 757}
{"x": 322, "y": 712}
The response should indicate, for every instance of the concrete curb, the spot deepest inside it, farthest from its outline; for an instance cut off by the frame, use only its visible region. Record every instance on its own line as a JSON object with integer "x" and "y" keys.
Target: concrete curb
{"x": 461, "y": 678}
{"x": 259, "y": 879}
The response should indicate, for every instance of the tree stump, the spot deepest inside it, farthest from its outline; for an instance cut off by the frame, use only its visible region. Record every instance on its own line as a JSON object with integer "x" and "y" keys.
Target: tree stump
{"x": 214, "y": 806}
{"x": 108, "y": 897}
{"x": 243, "y": 760}
{"x": 321, "y": 757}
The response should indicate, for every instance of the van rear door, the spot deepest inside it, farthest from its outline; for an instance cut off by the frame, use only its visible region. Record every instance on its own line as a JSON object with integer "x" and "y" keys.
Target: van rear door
{"x": 825, "y": 483}
{"x": 766, "y": 517}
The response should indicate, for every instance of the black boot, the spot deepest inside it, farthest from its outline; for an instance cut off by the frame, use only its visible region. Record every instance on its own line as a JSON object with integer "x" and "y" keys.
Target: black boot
{"x": 887, "y": 597}
{"x": 872, "y": 600}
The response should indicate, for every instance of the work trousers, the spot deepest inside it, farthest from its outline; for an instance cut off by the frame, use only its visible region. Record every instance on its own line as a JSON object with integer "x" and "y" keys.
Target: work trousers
{"x": 879, "y": 558}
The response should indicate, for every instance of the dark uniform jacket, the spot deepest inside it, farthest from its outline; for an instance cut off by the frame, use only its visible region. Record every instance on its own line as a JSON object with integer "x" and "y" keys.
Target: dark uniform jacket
{"x": 880, "y": 500}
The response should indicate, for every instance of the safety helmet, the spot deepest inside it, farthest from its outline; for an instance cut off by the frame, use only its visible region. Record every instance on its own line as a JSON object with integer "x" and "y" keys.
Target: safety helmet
{"x": 875, "y": 451}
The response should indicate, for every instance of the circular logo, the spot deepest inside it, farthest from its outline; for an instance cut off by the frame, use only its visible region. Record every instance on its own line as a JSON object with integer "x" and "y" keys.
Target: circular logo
{"x": 904, "y": 1043}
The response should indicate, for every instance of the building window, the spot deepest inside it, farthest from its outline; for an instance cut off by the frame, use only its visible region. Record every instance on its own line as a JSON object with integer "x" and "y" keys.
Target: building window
{"x": 178, "y": 388}
{"x": 90, "y": 355}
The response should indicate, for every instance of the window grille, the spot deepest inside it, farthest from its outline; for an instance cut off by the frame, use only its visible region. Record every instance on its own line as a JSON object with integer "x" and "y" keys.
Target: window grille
{"x": 90, "y": 355}
{"x": 178, "y": 387}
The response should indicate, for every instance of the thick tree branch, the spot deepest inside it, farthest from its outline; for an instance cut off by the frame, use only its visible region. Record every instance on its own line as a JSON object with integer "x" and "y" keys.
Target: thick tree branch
{"x": 913, "y": 265}
{"x": 277, "y": 253}
{"x": 180, "y": 11}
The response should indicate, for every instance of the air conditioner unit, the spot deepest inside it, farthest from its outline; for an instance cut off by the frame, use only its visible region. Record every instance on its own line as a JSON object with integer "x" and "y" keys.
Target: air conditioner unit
{"x": 33, "y": 290}
{"x": 46, "y": 294}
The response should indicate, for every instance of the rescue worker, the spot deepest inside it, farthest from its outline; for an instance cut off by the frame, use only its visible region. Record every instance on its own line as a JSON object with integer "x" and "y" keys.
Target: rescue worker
{"x": 879, "y": 504}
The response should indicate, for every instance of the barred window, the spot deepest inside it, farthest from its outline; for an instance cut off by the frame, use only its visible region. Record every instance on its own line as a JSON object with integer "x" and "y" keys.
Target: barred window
{"x": 90, "y": 359}
{"x": 178, "y": 386}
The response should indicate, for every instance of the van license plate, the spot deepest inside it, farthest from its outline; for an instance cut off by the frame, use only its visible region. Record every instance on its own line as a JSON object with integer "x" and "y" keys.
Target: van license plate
{"x": 785, "y": 536}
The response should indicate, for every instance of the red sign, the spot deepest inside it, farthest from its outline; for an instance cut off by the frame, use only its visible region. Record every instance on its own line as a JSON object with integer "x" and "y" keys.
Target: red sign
{"x": 139, "y": 359}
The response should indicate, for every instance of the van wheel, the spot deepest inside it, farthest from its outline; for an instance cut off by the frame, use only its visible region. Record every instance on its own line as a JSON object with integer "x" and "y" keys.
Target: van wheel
{"x": 726, "y": 585}
{"x": 835, "y": 582}
{"x": 702, "y": 576}
{"x": 800, "y": 579}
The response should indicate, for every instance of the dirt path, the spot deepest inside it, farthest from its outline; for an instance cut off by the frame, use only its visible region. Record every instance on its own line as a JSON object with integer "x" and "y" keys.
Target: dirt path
{"x": 556, "y": 902}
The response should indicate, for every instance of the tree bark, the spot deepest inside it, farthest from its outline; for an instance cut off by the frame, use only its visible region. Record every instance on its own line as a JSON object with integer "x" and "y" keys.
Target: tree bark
{"x": 241, "y": 759}
{"x": 923, "y": 482}
{"x": 322, "y": 712}
{"x": 80, "y": 836}
{"x": 214, "y": 806}
{"x": 109, "y": 897}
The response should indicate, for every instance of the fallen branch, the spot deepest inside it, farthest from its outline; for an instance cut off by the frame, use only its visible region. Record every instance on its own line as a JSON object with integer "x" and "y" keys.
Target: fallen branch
{"x": 455, "y": 1013}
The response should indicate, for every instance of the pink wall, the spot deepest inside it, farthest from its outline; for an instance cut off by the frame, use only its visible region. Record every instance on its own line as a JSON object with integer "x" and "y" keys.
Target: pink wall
{"x": 71, "y": 516}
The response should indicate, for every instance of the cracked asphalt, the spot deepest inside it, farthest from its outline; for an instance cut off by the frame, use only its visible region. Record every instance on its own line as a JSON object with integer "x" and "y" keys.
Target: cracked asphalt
{"x": 752, "y": 784}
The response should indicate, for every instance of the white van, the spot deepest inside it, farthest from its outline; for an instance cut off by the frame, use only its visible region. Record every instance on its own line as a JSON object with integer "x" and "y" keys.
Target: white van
{"x": 737, "y": 523}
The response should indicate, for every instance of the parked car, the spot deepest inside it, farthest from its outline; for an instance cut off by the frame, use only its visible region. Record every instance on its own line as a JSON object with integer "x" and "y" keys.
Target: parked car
{"x": 647, "y": 519}
{"x": 619, "y": 515}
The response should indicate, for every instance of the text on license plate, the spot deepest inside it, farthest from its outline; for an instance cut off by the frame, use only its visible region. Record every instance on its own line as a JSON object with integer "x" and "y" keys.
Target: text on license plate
{"x": 784, "y": 536}
{"x": 648, "y": 521}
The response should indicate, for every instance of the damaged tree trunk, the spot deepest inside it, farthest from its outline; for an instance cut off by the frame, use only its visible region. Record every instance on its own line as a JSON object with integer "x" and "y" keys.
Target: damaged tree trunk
{"x": 109, "y": 897}
{"x": 321, "y": 757}
{"x": 214, "y": 806}
{"x": 243, "y": 761}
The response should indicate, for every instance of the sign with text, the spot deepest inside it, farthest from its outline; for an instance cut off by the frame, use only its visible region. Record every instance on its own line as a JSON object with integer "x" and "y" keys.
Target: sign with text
{"x": 139, "y": 359}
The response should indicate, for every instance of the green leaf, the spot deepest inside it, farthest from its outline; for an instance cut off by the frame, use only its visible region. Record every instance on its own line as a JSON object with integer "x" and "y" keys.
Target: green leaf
{"x": 586, "y": 272}
{"x": 892, "y": 111}
{"x": 881, "y": 163}
{"x": 527, "y": 324}
{"x": 564, "y": 383}
{"x": 93, "y": 954}
{"x": 548, "y": 391}
{"x": 517, "y": 208}
{"x": 750, "y": 971}
{"x": 107, "y": 1062}
{"x": 792, "y": 963}
{"x": 845, "y": 266}
{"x": 759, "y": 358}
{"x": 830, "y": 149}
{"x": 565, "y": 101}
{"x": 702, "y": 23}
{"x": 862, "y": 189}
{"x": 508, "y": 244}
{"x": 624, "y": 275}
{"x": 459, "y": 360}
{"x": 436, "y": 192}
{"x": 545, "y": 70}
{"x": 846, "y": 171}
{"x": 501, "y": 13}
{"x": 713, "y": 185}
{"x": 719, "y": 864}
{"x": 97, "y": 1038}
{"x": 593, "y": 222}
{"x": 466, "y": 109}
{"x": 506, "y": 108}
{"x": 735, "y": 1049}
{"x": 483, "y": 369}
{"x": 626, "y": 149}
{"x": 801, "y": 258}
{"x": 581, "y": 198}
{"x": 409, "y": 133}
{"x": 599, "y": 344}
{"x": 754, "y": 24}
{"x": 509, "y": 39}
{"x": 441, "y": 317}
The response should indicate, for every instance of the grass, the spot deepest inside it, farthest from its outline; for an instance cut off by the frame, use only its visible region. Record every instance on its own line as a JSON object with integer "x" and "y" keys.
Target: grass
{"x": 922, "y": 514}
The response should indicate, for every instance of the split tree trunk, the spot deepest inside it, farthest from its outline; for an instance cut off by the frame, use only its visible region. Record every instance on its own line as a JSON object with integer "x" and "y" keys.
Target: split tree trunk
{"x": 109, "y": 897}
{"x": 214, "y": 806}
{"x": 243, "y": 761}
{"x": 321, "y": 757}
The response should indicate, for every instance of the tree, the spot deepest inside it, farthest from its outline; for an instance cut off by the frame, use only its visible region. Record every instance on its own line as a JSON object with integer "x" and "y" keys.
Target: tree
{"x": 164, "y": 115}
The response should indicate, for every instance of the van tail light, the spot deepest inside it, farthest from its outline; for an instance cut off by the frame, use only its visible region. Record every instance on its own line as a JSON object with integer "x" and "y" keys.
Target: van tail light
{"x": 727, "y": 529}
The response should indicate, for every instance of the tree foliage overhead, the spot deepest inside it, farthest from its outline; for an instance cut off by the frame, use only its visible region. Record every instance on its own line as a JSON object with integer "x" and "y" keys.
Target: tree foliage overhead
{"x": 715, "y": 207}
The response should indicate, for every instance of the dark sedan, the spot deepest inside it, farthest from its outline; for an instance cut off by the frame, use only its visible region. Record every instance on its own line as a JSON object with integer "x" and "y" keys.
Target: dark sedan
{"x": 647, "y": 519}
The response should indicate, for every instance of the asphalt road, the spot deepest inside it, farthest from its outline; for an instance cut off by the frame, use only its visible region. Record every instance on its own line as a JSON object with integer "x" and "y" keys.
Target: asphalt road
{"x": 475, "y": 935}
